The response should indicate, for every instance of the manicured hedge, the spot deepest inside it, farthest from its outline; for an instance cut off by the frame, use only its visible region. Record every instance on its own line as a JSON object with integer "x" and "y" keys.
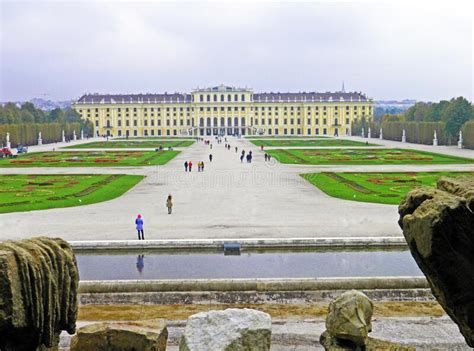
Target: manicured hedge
{"x": 416, "y": 132}
{"x": 468, "y": 134}
{"x": 27, "y": 134}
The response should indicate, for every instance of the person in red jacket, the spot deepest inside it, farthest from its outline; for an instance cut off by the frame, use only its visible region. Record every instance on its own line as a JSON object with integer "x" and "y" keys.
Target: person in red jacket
{"x": 190, "y": 166}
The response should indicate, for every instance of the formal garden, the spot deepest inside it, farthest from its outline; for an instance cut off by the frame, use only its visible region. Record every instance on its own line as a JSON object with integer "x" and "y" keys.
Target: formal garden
{"x": 384, "y": 188}
{"x": 367, "y": 156}
{"x": 326, "y": 142}
{"x": 27, "y": 192}
{"x": 133, "y": 144}
{"x": 90, "y": 159}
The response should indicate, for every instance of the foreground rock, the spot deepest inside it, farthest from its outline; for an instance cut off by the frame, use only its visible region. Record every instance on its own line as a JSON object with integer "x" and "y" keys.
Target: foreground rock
{"x": 38, "y": 293}
{"x": 438, "y": 225}
{"x": 349, "y": 319}
{"x": 231, "y": 329}
{"x": 147, "y": 335}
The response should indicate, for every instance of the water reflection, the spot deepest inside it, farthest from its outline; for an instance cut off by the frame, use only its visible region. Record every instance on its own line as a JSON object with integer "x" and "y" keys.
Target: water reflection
{"x": 198, "y": 265}
{"x": 140, "y": 263}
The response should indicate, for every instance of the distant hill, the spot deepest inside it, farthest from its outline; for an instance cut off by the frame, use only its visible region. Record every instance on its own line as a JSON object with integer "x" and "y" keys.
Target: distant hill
{"x": 42, "y": 104}
{"x": 383, "y": 107}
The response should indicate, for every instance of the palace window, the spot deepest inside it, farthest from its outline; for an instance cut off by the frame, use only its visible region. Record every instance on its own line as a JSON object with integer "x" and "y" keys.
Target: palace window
{"x": 201, "y": 98}
{"x": 208, "y": 98}
{"x": 236, "y": 97}
{"x": 215, "y": 98}
{"x": 222, "y": 97}
{"x": 134, "y": 122}
{"x": 242, "y": 98}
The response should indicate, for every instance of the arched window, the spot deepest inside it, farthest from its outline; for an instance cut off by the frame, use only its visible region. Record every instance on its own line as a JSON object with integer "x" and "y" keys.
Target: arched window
{"x": 222, "y": 97}
{"x": 215, "y": 121}
{"x": 215, "y": 97}
{"x": 229, "y": 98}
{"x": 222, "y": 121}
{"x": 242, "y": 98}
{"x": 229, "y": 121}
{"x": 201, "y": 98}
{"x": 208, "y": 98}
{"x": 208, "y": 121}
{"x": 201, "y": 122}
{"x": 236, "y": 97}
{"x": 242, "y": 121}
{"x": 335, "y": 121}
{"x": 236, "y": 121}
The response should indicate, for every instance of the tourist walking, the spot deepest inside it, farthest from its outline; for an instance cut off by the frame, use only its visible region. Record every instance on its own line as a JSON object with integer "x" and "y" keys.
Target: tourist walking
{"x": 266, "y": 157}
{"x": 236, "y": 149}
{"x": 210, "y": 157}
{"x": 169, "y": 203}
{"x": 190, "y": 166}
{"x": 261, "y": 147}
{"x": 241, "y": 158}
{"x": 202, "y": 166}
{"x": 185, "y": 166}
{"x": 139, "y": 224}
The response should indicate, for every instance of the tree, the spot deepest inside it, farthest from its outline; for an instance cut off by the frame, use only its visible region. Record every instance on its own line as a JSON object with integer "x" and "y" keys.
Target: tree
{"x": 437, "y": 111}
{"x": 457, "y": 113}
{"x": 392, "y": 118}
{"x": 417, "y": 112}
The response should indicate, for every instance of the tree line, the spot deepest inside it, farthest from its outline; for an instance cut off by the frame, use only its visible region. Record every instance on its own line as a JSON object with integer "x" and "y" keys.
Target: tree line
{"x": 421, "y": 120}
{"x": 26, "y": 121}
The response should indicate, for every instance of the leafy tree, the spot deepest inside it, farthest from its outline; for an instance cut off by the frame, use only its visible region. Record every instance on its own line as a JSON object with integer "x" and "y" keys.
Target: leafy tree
{"x": 417, "y": 112}
{"x": 457, "y": 113}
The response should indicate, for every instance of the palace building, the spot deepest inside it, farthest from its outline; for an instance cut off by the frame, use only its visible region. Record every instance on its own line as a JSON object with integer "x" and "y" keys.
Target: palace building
{"x": 224, "y": 110}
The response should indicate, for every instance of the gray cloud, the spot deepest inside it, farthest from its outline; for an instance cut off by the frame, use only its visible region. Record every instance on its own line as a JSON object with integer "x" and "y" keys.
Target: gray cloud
{"x": 389, "y": 50}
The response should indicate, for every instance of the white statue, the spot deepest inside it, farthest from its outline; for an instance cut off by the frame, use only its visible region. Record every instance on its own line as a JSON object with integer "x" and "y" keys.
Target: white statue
{"x": 435, "y": 139}
{"x": 40, "y": 140}
{"x": 82, "y": 134}
{"x": 381, "y": 134}
{"x": 460, "y": 141}
{"x": 369, "y": 133}
{"x": 63, "y": 137}
{"x": 74, "y": 137}
{"x": 404, "y": 137}
{"x": 9, "y": 144}
{"x": 363, "y": 133}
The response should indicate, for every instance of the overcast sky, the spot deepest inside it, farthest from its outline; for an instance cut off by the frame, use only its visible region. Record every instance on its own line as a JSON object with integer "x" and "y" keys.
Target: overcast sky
{"x": 390, "y": 50}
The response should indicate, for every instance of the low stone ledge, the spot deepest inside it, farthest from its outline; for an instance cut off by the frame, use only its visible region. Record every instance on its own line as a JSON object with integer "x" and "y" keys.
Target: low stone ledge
{"x": 284, "y": 243}
{"x": 298, "y": 284}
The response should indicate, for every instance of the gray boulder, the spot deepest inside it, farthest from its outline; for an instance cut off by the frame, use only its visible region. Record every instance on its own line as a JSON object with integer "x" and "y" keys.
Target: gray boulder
{"x": 438, "y": 225}
{"x": 229, "y": 330}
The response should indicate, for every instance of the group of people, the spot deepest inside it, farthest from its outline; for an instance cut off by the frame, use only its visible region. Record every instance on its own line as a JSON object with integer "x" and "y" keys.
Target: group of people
{"x": 248, "y": 157}
{"x": 268, "y": 157}
{"x": 188, "y": 166}
{"x": 139, "y": 223}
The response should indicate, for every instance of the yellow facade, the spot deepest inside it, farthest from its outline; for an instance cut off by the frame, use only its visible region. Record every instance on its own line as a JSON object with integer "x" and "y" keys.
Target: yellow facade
{"x": 224, "y": 110}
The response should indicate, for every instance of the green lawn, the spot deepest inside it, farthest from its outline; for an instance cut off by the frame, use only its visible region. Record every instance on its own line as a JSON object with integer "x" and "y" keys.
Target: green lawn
{"x": 362, "y": 157}
{"x": 22, "y": 192}
{"x": 384, "y": 188}
{"x": 163, "y": 137}
{"x": 131, "y": 144}
{"x": 89, "y": 159}
{"x": 308, "y": 142}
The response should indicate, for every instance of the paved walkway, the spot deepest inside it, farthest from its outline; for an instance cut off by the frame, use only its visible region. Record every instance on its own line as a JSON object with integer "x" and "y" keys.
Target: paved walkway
{"x": 426, "y": 333}
{"x": 229, "y": 200}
